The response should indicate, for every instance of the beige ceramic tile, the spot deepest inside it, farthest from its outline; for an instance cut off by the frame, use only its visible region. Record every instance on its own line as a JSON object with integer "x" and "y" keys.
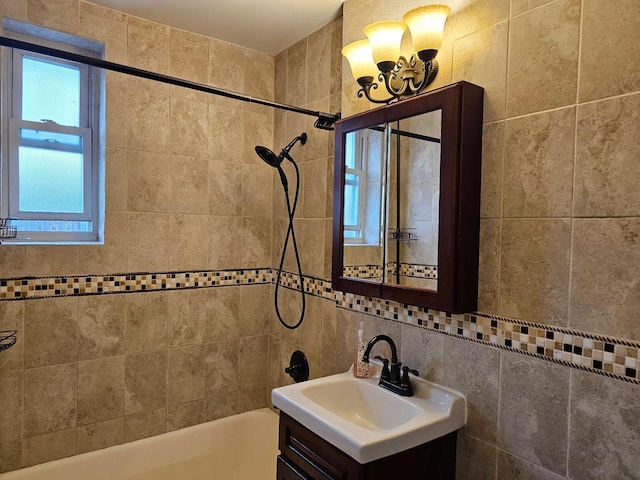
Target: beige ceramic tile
{"x": 347, "y": 324}
{"x": 606, "y": 249}
{"x": 185, "y": 415}
{"x": 538, "y": 170}
{"x": 315, "y": 188}
{"x": 252, "y": 370}
{"x": 221, "y": 368}
{"x": 14, "y": 9}
{"x": 147, "y": 241}
{"x": 320, "y": 55}
{"x": 12, "y": 318}
{"x": 148, "y": 45}
{"x": 100, "y": 435}
{"x": 475, "y": 460}
{"x": 223, "y": 314}
{"x": 189, "y": 185}
{"x": 106, "y": 25}
{"x": 493, "y": 143}
{"x": 225, "y": 188}
{"x": 50, "y": 334}
{"x": 481, "y": 58}
{"x": 13, "y": 261}
{"x": 10, "y": 456}
{"x": 48, "y": 447}
{"x": 189, "y": 56}
{"x": 311, "y": 238}
{"x": 609, "y": 42}
{"x": 185, "y": 374}
{"x": 256, "y": 306}
{"x": 108, "y": 257}
{"x": 11, "y": 399}
{"x": 258, "y": 78}
{"x": 145, "y": 425}
{"x": 100, "y": 389}
{"x": 148, "y": 123}
{"x": 224, "y": 253}
{"x": 423, "y": 351}
{"x": 145, "y": 382}
{"x": 297, "y": 73}
{"x": 253, "y": 398}
{"x": 607, "y": 173}
{"x": 255, "y": 242}
{"x": 187, "y": 317}
{"x": 116, "y": 110}
{"x": 489, "y": 266}
{"x": 317, "y": 146}
{"x": 257, "y": 129}
{"x": 311, "y": 327}
{"x": 116, "y": 179}
{"x": 280, "y": 78}
{"x": 335, "y": 67}
{"x": 43, "y": 260}
{"x": 520, "y": 6}
{"x": 101, "y": 326}
{"x": 515, "y": 468}
{"x": 63, "y": 15}
{"x": 543, "y": 58}
{"x": 534, "y": 399}
{"x": 146, "y": 321}
{"x": 534, "y": 272}
{"x": 224, "y": 143}
{"x": 222, "y": 54}
{"x": 257, "y": 191}
{"x": 189, "y": 124}
{"x": 221, "y": 406}
{"x": 189, "y": 242}
{"x": 49, "y": 399}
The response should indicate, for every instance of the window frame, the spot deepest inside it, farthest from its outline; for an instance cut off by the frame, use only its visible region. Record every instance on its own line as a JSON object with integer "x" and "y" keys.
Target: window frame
{"x": 90, "y": 125}
{"x": 361, "y": 184}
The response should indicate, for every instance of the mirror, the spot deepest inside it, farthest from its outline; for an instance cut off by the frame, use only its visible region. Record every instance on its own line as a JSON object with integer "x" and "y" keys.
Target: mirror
{"x": 406, "y": 209}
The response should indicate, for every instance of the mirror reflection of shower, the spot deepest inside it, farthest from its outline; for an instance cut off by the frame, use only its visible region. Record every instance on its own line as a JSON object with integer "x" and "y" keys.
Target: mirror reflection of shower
{"x": 276, "y": 161}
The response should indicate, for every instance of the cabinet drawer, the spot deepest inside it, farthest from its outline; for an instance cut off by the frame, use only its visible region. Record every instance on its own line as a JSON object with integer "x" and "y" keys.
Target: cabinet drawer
{"x": 285, "y": 471}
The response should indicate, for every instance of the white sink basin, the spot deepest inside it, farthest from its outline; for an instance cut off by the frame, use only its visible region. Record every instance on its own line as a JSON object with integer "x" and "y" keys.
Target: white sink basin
{"x": 368, "y": 422}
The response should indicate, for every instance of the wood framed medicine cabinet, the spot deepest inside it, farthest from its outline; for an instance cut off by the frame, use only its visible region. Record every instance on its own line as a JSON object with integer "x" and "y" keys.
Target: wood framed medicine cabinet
{"x": 409, "y": 175}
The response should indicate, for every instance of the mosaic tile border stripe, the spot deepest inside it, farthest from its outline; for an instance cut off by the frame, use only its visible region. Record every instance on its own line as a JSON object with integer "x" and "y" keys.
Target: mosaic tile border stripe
{"x": 414, "y": 270}
{"x": 608, "y": 356}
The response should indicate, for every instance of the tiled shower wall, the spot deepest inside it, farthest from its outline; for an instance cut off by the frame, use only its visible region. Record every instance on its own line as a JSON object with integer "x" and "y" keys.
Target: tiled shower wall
{"x": 185, "y": 191}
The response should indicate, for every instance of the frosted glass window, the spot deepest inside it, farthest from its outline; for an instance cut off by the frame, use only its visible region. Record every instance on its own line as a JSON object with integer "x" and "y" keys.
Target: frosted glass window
{"x": 50, "y": 91}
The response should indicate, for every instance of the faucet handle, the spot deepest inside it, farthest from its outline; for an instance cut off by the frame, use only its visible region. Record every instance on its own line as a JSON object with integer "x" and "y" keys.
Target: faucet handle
{"x": 385, "y": 374}
{"x": 405, "y": 375}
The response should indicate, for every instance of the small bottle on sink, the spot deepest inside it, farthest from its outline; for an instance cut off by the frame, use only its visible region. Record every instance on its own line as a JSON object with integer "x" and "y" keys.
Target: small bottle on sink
{"x": 360, "y": 368}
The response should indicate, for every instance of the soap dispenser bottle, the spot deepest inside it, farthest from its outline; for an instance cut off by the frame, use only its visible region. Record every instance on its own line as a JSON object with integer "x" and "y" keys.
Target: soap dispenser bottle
{"x": 360, "y": 368}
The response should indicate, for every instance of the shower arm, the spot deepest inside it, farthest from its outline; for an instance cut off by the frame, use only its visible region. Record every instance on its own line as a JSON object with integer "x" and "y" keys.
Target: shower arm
{"x": 325, "y": 121}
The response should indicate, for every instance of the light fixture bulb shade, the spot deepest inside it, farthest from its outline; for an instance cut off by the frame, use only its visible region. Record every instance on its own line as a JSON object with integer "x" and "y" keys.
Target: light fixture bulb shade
{"x": 360, "y": 59}
{"x": 426, "y": 25}
{"x": 385, "y": 39}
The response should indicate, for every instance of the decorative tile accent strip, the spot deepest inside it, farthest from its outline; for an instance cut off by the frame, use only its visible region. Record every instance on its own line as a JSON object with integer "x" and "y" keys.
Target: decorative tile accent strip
{"x": 363, "y": 271}
{"x": 414, "y": 270}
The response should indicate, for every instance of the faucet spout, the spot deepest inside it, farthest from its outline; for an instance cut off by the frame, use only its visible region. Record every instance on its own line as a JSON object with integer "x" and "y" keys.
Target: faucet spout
{"x": 376, "y": 339}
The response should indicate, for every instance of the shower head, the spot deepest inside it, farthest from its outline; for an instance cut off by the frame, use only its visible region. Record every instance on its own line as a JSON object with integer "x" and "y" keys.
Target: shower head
{"x": 268, "y": 156}
{"x": 274, "y": 160}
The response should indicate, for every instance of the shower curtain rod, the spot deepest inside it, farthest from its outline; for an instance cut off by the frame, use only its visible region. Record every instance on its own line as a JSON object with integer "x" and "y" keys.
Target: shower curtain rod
{"x": 325, "y": 121}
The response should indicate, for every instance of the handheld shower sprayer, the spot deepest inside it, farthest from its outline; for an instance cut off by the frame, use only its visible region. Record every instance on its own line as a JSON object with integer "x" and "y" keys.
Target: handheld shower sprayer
{"x": 276, "y": 161}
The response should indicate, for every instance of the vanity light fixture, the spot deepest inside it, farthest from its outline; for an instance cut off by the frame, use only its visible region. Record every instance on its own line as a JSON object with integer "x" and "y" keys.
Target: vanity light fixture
{"x": 379, "y": 56}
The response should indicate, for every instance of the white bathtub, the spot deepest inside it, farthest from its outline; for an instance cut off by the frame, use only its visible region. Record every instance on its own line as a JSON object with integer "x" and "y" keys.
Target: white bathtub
{"x": 241, "y": 447}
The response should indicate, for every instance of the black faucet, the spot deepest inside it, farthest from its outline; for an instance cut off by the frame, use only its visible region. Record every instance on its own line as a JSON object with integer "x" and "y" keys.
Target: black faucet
{"x": 390, "y": 377}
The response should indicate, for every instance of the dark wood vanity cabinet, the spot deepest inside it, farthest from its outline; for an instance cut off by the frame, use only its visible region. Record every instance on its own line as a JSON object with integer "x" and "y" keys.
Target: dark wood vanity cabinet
{"x": 304, "y": 455}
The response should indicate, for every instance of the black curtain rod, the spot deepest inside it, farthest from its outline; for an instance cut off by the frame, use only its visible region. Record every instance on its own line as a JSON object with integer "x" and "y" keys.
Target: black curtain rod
{"x": 325, "y": 121}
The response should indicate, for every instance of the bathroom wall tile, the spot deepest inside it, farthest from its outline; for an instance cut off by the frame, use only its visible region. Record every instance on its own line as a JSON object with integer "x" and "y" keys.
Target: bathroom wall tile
{"x": 311, "y": 327}
{"x": 257, "y": 191}
{"x": 11, "y": 399}
{"x": 329, "y": 332}
{"x": 255, "y": 242}
{"x": 13, "y": 260}
{"x": 10, "y": 456}
{"x": 223, "y": 314}
{"x": 145, "y": 383}
{"x": 534, "y": 276}
{"x": 100, "y": 389}
{"x": 470, "y": 16}
{"x": 534, "y": 399}
{"x": 493, "y": 145}
{"x": 221, "y": 54}
{"x": 318, "y": 50}
{"x": 605, "y": 249}
{"x": 63, "y": 15}
{"x": 318, "y": 140}
{"x": 604, "y": 428}
{"x": 375, "y": 326}
{"x": 258, "y": 78}
{"x": 279, "y": 359}
{"x": 100, "y": 435}
{"x": 489, "y": 266}
{"x": 328, "y": 247}
{"x": 48, "y": 447}
{"x": 481, "y": 58}
{"x": 101, "y": 321}
{"x": 148, "y": 181}
{"x": 189, "y": 56}
{"x": 606, "y": 172}
{"x": 224, "y": 142}
{"x": 280, "y": 78}
{"x": 190, "y": 244}
{"x": 310, "y": 236}
{"x": 224, "y": 253}
{"x": 116, "y": 110}
{"x": 189, "y": 185}
{"x": 221, "y": 406}
{"x": 108, "y": 257}
{"x": 49, "y": 399}
{"x": 252, "y": 398}
{"x": 189, "y": 124}
{"x": 147, "y": 241}
{"x": 185, "y": 415}
{"x": 187, "y": 316}
{"x": 521, "y": 6}
{"x": 515, "y": 468}
{"x": 335, "y": 62}
{"x": 106, "y": 25}
{"x": 538, "y": 169}
{"x": 608, "y": 35}
{"x": 145, "y": 425}
{"x": 315, "y": 188}
{"x": 256, "y": 306}
{"x": 481, "y": 388}
{"x": 12, "y": 315}
{"x": 148, "y": 45}
{"x": 225, "y": 188}
{"x": 44, "y": 260}
{"x": 290, "y": 308}
{"x": 475, "y": 460}
{"x": 146, "y": 321}
{"x": 14, "y": 9}
{"x": 257, "y": 129}
{"x": 423, "y": 351}
{"x": 543, "y": 58}
{"x": 185, "y": 374}
{"x": 148, "y": 124}
{"x": 116, "y": 176}
{"x": 347, "y": 324}
{"x": 253, "y": 354}
{"x": 221, "y": 368}
{"x": 297, "y": 73}
{"x": 50, "y": 333}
